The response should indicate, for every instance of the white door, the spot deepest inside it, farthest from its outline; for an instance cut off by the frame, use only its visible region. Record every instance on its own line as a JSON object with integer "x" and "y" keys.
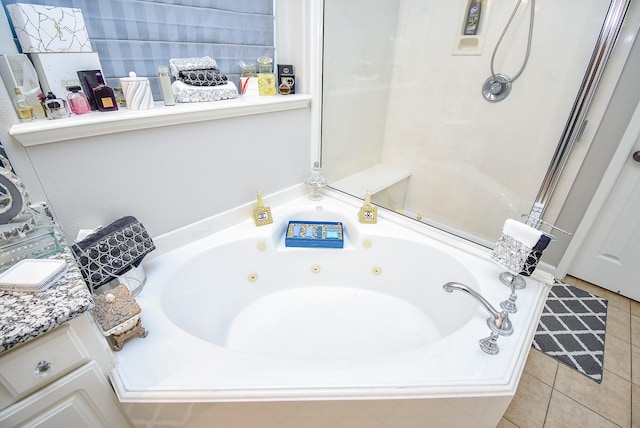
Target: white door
{"x": 610, "y": 254}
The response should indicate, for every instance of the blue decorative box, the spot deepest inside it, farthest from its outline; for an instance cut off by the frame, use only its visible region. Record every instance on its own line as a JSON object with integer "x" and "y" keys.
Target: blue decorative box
{"x": 314, "y": 234}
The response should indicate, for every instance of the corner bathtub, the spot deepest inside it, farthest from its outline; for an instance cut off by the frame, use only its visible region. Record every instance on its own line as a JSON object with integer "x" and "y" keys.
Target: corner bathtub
{"x": 236, "y": 316}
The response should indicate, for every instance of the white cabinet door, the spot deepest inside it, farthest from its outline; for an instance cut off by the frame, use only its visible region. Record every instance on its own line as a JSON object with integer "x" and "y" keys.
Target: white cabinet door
{"x": 80, "y": 399}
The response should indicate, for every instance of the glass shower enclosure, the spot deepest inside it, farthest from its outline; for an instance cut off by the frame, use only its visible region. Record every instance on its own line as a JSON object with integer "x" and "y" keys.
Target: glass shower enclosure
{"x": 404, "y": 116}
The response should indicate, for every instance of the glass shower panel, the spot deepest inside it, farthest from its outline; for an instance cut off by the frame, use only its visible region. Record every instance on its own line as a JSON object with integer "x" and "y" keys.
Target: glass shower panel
{"x": 404, "y": 116}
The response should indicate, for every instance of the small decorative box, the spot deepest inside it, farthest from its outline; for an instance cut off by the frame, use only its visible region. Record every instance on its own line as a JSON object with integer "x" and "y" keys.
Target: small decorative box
{"x": 49, "y": 28}
{"x": 119, "y": 316}
{"x": 314, "y": 234}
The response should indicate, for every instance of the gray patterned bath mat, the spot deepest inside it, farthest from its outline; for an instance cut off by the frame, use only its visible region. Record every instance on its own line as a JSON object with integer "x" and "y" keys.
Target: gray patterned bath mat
{"x": 572, "y": 329}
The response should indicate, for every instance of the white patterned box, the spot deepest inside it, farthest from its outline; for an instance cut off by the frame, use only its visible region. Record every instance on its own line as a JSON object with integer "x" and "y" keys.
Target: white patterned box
{"x": 49, "y": 29}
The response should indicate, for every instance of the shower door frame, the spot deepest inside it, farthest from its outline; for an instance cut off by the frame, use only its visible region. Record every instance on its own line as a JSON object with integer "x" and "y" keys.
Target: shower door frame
{"x": 577, "y": 119}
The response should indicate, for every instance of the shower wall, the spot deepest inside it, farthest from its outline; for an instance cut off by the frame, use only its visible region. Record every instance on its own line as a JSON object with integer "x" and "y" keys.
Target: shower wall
{"x": 473, "y": 163}
{"x": 358, "y": 52}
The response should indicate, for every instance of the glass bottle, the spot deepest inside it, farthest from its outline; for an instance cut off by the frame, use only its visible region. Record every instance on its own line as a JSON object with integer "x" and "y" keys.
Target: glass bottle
{"x": 472, "y": 19}
{"x": 25, "y": 111}
{"x": 54, "y": 107}
{"x": 104, "y": 95}
{"x": 120, "y": 99}
{"x": 165, "y": 86}
{"x": 78, "y": 102}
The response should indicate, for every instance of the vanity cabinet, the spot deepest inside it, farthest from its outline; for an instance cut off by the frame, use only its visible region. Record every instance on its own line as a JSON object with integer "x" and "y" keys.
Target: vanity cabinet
{"x": 59, "y": 380}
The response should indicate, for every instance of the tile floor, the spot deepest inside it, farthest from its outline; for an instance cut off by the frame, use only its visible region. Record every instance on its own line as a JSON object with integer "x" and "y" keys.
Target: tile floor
{"x": 552, "y": 395}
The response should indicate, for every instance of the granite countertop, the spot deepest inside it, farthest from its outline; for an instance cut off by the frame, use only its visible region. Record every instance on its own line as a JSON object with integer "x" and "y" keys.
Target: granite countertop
{"x": 26, "y": 315}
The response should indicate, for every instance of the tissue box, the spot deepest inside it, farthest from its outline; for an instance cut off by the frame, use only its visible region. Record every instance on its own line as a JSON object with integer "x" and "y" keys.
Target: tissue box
{"x": 49, "y": 29}
{"x": 314, "y": 234}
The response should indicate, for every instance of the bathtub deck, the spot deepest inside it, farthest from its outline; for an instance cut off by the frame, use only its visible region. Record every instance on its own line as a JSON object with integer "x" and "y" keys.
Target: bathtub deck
{"x": 173, "y": 365}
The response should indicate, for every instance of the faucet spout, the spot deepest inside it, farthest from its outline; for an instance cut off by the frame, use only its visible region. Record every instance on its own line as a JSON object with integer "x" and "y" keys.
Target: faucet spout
{"x": 498, "y": 322}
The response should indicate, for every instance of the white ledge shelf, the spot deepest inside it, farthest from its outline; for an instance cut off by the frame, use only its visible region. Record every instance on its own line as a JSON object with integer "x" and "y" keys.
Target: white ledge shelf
{"x": 373, "y": 179}
{"x": 44, "y": 131}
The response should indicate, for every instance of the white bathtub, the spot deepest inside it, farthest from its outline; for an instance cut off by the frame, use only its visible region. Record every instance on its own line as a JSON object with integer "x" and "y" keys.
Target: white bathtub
{"x": 237, "y": 316}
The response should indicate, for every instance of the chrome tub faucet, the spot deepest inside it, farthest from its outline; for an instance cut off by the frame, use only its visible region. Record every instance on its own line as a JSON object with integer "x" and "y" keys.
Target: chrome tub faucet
{"x": 498, "y": 322}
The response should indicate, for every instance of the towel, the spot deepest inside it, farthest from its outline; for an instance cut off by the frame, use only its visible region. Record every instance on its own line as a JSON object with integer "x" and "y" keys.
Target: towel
{"x": 534, "y": 257}
{"x": 522, "y": 232}
{"x": 542, "y": 243}
{"x": 515, "y": 245}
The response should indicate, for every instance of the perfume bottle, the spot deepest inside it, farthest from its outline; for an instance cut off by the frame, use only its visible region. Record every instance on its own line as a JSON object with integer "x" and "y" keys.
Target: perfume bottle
{"x": 473, "y": 18}
{"x": 54, "y": 107}
{"x": 25, "y": 111}
{"x": 105, "y": 98}
{"x": 78, "y": 102}
{"x": 121, "y": 101}
{"x": 165, "y": 86}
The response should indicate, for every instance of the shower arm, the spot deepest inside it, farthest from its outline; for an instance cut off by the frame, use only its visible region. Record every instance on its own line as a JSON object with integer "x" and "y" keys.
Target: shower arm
{"x": 576, "y": 122}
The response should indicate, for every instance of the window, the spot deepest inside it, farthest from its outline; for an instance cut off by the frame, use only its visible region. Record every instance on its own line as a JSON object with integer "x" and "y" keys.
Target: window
{"x": 139, "y": 35}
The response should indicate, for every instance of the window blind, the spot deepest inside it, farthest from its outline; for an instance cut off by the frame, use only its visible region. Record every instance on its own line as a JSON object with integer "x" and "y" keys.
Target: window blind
{"x": 139, "y": 35}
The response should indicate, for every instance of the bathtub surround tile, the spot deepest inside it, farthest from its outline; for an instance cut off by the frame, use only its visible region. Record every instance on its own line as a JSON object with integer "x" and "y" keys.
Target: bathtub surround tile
{"x": 159, "y": 415}
{"x": 564, "y": 412}
{"x": 611, "y": 398}
{"x": 529, "y": 406}
{"x": 474, "y": 411}
{"x": 242, "y": 415}
{"x": 338, "y": 414}
{"x": 541, "y": 366}
{"x": 572, "y": 329}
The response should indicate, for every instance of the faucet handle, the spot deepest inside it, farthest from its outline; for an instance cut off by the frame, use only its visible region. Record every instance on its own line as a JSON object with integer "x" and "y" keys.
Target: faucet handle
{"x": 500, "y": 324}
{"x": 490, "y": 344}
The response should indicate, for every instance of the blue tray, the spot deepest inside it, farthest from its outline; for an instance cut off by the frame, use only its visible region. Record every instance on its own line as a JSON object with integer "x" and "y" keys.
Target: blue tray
{"x": 314, "y": 234}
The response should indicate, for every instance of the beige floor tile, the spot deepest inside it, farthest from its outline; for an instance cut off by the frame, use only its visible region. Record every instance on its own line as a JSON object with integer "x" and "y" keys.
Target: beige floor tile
{"x": 615, "y": 299}
{"x": 619, "y": 324}
{"x": 529, "y": 406}
{"x": 504, "y": 423}
{"x": 564, "y": 413}
{"x": 635, "y": 308}
{"x": 635, "y": 330}
{"x": 635, "y": 367}
{"x": 541, "y": 366}
{"x": 611, "y": 398}
{"x": 635, "y": 416}
{"x": 586, "y": 286}
{"x": 617, "y": 356}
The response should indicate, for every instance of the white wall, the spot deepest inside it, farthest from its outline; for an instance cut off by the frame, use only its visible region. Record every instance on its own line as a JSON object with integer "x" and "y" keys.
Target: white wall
{"x": 476, "y": 163}
{"x": 173, "y": 175}
{"x": 357, "y": 72}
